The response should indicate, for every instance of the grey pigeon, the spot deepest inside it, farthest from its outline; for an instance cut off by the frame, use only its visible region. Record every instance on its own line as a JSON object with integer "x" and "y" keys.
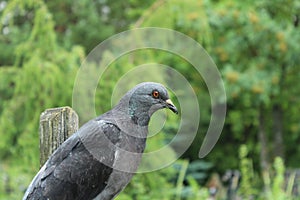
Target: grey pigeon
{"x": 99, "y": 160}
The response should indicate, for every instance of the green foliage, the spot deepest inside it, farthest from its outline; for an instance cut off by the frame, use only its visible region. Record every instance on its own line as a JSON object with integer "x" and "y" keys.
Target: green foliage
{"x": 188, "y": 18}
{"x": 7, "y": 83}
{"x": 199, "y": 170}
{"x": 143, "y": 185}
{"x": 255, "y": 44}
{"x": 180, "y": 179}
{"x": 278, "y": 182}
{"x": 247, "y": 186}
{"x": 192, "y": 189}
{"x": 195, "y": 190}
{"x": 256, "y": 55}
{"x": 279, "y": 187}
{"x": 160, "y": 185}
{"x": 42, "y": 78}
{"x": 87, "y": 23}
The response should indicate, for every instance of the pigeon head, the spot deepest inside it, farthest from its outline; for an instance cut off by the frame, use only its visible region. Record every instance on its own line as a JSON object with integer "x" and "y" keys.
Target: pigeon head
{"x": 146, "y": 98}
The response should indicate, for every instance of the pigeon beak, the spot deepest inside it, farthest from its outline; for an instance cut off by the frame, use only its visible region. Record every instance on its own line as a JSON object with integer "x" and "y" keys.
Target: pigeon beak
{"x": 171, "y": 106}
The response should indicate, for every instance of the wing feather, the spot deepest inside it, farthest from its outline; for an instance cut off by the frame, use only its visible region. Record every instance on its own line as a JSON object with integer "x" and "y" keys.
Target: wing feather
{"x": 72, "y": 171}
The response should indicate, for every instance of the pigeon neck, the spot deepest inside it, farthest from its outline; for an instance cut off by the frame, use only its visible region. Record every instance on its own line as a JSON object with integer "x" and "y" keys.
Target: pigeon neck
{"x": 139, "y": 114}
{"x": 139, "y": 117}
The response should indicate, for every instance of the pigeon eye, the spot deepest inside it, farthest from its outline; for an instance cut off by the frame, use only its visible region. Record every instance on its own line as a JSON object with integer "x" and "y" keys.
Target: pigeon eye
{"x": 155, "y": 94}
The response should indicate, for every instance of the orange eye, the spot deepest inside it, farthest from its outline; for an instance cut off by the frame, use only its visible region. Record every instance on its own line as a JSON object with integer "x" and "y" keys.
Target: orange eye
{"x": 155, "y": 94}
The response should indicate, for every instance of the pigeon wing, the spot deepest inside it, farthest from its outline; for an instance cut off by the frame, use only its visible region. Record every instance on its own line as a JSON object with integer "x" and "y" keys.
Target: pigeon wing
{"x": 73, "y": 171}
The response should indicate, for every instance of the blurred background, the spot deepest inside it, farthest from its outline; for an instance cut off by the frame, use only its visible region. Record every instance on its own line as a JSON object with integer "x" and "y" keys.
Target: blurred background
{"x": 255, "y": 45}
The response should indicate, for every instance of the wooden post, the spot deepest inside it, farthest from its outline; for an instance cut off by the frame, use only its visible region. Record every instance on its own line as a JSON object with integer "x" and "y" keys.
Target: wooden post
{"x": 56, "y": 125}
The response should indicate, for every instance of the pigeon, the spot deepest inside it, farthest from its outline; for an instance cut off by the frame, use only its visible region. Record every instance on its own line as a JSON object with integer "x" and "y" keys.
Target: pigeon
{"x": 99, "y": 160}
